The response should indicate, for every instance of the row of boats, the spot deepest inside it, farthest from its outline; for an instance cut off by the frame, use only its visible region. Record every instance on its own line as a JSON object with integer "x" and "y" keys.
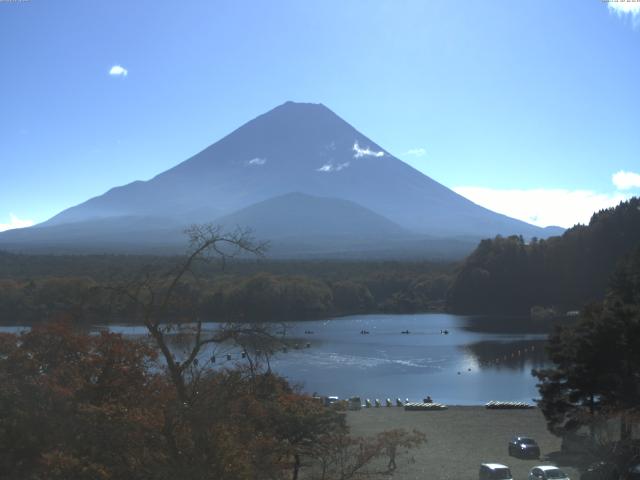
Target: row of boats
{"x": 493, "y": 404}
{"x": 403, "y": 332}
{"x": 355, "y": 403}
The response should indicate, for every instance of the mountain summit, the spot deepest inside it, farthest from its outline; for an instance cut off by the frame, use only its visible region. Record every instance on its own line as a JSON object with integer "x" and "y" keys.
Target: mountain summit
{"x": 296, "y": 147}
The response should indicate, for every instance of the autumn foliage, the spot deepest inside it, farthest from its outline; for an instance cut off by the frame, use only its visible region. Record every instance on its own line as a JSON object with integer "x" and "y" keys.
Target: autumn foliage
{"x": 75, "y": 405}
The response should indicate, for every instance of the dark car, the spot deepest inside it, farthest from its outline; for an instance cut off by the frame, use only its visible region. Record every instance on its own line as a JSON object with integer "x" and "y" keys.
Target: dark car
{"x": 601, "y": 471}
{"x": 632, "y": 473}
{"x": 524, "y": 447}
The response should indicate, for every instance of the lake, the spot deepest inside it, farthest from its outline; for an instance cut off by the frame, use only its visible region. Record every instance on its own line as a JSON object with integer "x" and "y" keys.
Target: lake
{"x": 480, "y": 359}
{"x": 471, "y": 365}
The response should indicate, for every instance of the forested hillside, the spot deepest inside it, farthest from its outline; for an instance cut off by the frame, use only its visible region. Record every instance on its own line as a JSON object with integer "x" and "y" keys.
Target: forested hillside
{"x": 36, "y": 288}
{"x": 509, "y": 275}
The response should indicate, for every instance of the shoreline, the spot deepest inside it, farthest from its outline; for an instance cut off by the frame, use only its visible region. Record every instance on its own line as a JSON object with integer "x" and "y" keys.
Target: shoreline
{"x": 120, "y": 322}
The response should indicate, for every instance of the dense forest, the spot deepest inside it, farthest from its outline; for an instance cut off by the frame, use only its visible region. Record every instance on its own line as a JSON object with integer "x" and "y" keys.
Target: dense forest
{"x": 35, "y": 288}
{"x": 504, "y": 275}
{"x": 510, "y": 275}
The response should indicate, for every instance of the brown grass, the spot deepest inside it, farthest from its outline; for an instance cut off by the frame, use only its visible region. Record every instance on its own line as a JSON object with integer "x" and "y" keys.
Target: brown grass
{"x": 460, "y": 439}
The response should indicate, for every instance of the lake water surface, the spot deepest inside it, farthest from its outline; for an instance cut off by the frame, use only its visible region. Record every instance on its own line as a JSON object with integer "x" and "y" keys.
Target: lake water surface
{"x": 472, "y": 364}
{"x": 480, "y": 359}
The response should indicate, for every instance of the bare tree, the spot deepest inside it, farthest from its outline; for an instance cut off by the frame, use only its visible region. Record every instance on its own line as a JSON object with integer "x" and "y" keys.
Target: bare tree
{"x": 155, "y": 294}
{"x": 170, "y": 315}
{"x": 342, "y": 457}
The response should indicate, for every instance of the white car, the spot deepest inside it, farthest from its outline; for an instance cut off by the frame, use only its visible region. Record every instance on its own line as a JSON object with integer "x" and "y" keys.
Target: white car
{"x": 547, "y": 472}
{"x": 494, "y": 471}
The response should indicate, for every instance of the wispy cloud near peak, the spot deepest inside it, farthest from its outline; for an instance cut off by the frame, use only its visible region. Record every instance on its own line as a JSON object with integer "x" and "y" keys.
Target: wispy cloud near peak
{"x": 416, "y": 152}
{"x": 364, "y": 152}
{"x": 257, "y": 161}
{"x": 329, "y": 167}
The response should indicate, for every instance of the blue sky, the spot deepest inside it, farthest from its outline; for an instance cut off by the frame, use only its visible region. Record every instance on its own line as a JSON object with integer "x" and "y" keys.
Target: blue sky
{"x": 531, "y": 108}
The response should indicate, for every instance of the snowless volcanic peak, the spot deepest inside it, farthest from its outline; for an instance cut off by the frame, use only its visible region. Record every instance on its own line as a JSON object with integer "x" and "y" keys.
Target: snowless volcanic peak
{"x": 296, "y": 147}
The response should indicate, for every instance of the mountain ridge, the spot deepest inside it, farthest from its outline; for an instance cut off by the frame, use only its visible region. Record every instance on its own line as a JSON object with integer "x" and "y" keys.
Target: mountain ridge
{"x": 296, "y": 147}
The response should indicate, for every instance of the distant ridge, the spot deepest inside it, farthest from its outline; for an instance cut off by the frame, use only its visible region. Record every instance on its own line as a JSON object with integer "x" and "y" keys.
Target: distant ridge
{"x": 297, "y": 214}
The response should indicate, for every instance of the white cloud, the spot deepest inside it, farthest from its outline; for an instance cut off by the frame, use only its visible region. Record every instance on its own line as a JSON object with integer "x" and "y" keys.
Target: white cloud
{"x": 543, "y": 207}
{"x": 118, "y": 70}
{"x": 416, "y": 152}
{"x": 362, "y": 152}
{"x": 626, "y": 180}
{"x": 257, "y": 161}
{"x": 15, "y": 222}
{"x": 622, "y": 6}
{"x": 626, "y": 8}
{"x": 329, "y": 167}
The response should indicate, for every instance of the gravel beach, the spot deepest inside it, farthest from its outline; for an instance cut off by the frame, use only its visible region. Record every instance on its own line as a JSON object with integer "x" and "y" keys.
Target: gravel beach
{"x": 460, "y": 439}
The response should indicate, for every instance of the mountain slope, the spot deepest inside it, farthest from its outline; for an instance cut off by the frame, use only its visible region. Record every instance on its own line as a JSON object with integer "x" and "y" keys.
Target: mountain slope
{"x": 294, "y": 148}
{"x": 297, "y": 215}
{"x": 295, "y": 225}
{"x": 299, "y": 225}
{"x": 124, "y": 234}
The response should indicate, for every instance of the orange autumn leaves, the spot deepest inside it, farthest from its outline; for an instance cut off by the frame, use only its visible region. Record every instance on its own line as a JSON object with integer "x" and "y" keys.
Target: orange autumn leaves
{"x": 72, "y": 402}
{"x": 75, "y": 405}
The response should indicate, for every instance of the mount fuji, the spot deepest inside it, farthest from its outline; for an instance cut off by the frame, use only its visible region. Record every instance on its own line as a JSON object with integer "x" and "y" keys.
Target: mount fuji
{"x": 300, "y": 177}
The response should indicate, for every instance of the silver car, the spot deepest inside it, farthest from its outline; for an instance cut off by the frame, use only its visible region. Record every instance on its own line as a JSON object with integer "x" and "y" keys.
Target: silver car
{"x": 547, "y": 472}
{"x": 494, "y": 471}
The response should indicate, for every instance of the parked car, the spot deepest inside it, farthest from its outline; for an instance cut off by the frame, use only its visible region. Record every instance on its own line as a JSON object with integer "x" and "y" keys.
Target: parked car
{"x": 547, "y": 472}
{"x": 524, "y": 447}
{"x": 355, "y": 403}
{"x": 632, "y": 473}
{"x": 601, "y": 471}
{"x": 331, "y": 400}
{"x": 494, "y": 471}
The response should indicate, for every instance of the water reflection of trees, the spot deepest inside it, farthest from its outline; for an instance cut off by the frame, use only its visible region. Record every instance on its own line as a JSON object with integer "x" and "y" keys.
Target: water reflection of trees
{"x": 516, "y": 355}
{"x": 252, "y": 351}
{"x": 515, "y": 325}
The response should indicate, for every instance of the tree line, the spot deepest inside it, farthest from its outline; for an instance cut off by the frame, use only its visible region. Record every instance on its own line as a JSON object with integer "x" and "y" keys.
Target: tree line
{"x": 504, "y": 275}
{"x": 511, "y": 275}
{"x": 242, "y": 291}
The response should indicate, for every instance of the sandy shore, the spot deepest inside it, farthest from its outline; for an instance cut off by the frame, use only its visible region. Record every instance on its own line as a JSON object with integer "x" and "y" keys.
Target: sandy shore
{"x": 460, "y": 439}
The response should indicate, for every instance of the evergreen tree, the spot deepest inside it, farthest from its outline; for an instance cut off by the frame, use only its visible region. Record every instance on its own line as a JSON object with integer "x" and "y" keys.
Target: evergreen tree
{"x": 596, "y": 372}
